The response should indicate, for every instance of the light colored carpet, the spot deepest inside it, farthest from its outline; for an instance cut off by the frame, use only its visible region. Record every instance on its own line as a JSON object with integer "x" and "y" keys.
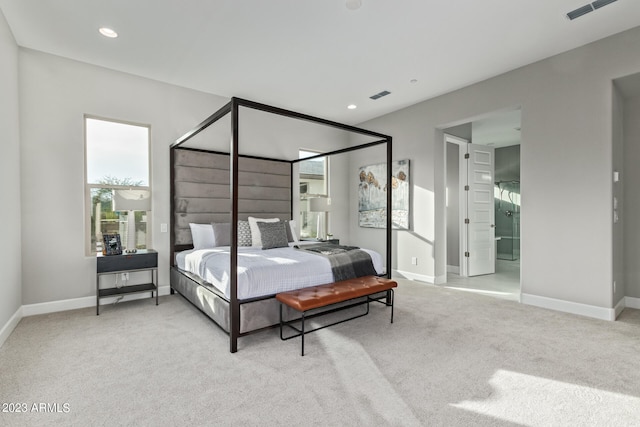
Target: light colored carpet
{"x": 449, "y": 358}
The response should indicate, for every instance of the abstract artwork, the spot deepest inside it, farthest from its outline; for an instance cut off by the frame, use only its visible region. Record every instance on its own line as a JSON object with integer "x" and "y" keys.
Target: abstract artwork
{"x": 372, "y": 195}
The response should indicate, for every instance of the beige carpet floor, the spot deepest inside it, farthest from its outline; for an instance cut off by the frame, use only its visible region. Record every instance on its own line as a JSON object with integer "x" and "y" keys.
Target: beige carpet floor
{"x": 450, "y": 358}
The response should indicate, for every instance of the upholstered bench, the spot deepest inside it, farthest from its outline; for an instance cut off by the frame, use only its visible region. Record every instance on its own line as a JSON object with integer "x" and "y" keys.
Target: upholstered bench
{"x": 315, "y": 297}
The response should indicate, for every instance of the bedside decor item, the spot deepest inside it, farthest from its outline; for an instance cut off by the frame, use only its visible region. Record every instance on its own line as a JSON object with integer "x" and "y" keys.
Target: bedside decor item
{"x": 372, "y": 195}
{"x": 322, "y": 205}
{"x": 111, "y": 244}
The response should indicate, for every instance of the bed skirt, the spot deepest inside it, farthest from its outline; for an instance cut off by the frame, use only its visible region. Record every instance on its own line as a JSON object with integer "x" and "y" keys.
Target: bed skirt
{"x": 254, "y": 315}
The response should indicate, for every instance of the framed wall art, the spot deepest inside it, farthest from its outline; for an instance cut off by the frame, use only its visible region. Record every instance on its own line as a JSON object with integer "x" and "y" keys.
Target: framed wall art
{"x": 372, "y": 195}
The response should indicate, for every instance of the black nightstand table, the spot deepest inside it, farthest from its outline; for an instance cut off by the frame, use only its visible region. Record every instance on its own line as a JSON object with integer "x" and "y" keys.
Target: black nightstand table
{"x": 334, "y": 241}
{"x": 143, "y": 260}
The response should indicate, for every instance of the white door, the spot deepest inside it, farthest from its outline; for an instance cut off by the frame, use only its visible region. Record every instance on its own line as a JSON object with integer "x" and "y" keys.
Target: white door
{"x": 481, "y": 253}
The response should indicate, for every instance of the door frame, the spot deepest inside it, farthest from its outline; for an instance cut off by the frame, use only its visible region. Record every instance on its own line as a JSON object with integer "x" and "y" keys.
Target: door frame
{"x": 462, "y": 199}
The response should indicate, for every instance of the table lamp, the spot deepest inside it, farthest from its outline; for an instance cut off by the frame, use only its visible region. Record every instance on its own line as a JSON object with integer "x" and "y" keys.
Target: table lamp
{"x": 320, "y": 204}
{"x": 131, "y": 200}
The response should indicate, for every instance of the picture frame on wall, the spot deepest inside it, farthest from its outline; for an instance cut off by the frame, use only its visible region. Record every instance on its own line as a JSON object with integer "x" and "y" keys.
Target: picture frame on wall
{"x": 372, "y": 195}
{"x": 111, "y": 244}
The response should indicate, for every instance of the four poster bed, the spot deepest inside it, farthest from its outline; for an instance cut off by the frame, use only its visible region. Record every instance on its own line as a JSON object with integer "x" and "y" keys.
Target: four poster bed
{"x": 229, "y": 210}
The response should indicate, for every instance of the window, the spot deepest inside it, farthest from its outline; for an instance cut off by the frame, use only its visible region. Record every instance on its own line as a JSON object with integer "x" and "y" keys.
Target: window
{"x": 117, "y": 163}
{"x": 313, "y": 175}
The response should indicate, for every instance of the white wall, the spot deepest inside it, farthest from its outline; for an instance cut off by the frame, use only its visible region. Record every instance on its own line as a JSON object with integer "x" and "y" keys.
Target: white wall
{"x": 566, "y": 154}
{"x": 339, "y": 216}
{"x": 618, "y": 228}
{"x": 55, "y": 93}
{"x": 630, "y": 179}
{"x": 10, "y": 250}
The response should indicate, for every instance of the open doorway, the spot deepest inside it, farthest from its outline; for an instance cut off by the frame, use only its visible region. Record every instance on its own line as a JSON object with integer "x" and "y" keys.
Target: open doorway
{"x": 497, "y": 135}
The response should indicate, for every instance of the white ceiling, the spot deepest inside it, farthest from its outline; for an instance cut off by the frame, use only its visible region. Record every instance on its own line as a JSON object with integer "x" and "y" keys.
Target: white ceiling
{"x": 497, "y": 130}
{"x": 316, "y": 56}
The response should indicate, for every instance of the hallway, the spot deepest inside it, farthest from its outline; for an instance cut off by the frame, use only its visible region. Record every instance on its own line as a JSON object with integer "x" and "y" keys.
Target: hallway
{"x": 505, "y": 283}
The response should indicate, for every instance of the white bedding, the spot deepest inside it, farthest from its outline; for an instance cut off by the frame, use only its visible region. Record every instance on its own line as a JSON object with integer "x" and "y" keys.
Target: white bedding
{"x": 262, "y": 272}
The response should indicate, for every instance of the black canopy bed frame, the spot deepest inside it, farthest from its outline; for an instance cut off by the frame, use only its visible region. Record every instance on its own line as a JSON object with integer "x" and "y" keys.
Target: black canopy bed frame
{"x": 227, "y": 312}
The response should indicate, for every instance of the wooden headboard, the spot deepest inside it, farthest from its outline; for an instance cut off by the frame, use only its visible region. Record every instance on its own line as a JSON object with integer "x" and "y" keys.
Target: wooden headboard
{"x": 202, "y": 190}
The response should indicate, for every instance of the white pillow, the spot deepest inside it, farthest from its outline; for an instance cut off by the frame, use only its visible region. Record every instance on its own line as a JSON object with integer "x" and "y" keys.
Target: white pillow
{"x": 294, "y": 233}
{"x": 202, "y": 236}
{"x": 256, "y": 240}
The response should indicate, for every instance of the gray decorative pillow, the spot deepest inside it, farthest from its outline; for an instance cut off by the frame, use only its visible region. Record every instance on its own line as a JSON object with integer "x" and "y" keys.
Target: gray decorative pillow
{"x": 244, "y": 234}
{"x": 222, "y": 233}
{"x": 273, "y": 234}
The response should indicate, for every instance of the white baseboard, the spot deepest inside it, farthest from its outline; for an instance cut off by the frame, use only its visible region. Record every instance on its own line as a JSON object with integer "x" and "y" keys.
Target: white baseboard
{"x": 632, "y": 302}
{"x": 73, "y": 304}
{"x": 440, "y": 280}
{"x": 10, "y": 326}
{"x": 55, "y": 306}
{"x": 414, "y": 276}
{"x": 619, "y": 307}
{"x": 569, "y": 307}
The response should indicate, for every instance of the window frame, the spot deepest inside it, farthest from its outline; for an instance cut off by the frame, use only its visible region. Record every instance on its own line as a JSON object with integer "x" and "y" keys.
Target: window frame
{"x": 324, "y": 216}
{"x": 89, "y": 251}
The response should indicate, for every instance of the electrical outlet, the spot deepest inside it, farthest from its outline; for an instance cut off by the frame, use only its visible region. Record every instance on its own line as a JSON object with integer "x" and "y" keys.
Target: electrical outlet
{"x": 414, "y": 260}
{"x": 163, "y": 228}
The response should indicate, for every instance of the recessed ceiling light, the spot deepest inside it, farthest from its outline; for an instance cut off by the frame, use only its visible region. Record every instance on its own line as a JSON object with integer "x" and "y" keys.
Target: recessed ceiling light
{"x": 108, "y": 32}
{"x": 353, "y": 4}
{"x": 352, "y": 106}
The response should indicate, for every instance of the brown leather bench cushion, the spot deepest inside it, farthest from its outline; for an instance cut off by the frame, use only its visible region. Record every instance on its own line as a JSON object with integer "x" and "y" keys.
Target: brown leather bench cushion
{"x": 332, "y": 293}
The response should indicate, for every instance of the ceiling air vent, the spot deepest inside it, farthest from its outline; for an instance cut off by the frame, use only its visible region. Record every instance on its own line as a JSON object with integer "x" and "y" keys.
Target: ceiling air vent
{"x": 599, "y": 3}
{"x": 588, "y": 8}
{"x": 380, "y": 95}
{"x": 579, "y": 12}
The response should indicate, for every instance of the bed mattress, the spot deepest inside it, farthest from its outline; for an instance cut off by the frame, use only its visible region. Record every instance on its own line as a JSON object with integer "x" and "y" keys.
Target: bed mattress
{"x": 262, "y": 272}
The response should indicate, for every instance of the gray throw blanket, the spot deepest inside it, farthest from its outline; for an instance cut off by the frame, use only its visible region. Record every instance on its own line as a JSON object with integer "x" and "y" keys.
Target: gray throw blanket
{"x": 347, "y": 262}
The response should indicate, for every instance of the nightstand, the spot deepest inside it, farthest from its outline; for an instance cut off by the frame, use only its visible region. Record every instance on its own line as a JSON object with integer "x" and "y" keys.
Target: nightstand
{"x": 334, "y": 241}
{"x": 143, "y": 260}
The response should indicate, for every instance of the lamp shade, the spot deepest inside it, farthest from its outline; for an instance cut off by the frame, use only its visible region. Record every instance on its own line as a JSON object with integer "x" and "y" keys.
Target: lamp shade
{"x": 131, "y": 200}
{"x": 320, "y": 204}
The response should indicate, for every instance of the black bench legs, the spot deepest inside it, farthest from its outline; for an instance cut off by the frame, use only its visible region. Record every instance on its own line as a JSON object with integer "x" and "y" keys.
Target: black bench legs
{"x": 387, "y": 300}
